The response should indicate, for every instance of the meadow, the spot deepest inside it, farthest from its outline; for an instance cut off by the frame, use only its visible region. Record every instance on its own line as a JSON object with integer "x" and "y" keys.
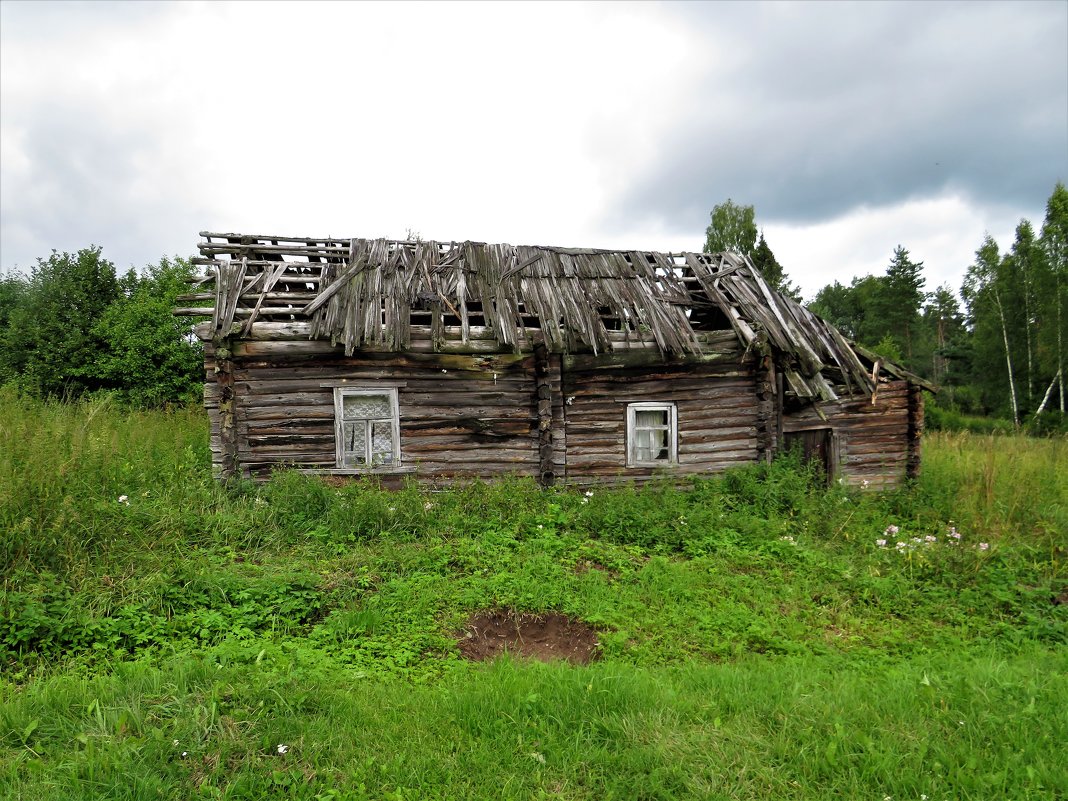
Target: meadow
{"x": 759, "y": 635}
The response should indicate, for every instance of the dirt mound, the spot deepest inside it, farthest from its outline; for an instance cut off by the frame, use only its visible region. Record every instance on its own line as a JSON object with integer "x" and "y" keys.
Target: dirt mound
{"x": 546, "y": 637}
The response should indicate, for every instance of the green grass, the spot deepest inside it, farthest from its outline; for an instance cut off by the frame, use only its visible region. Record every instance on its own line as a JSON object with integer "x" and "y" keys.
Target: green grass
{"x": 949, "y": 727}
{"x": 756, "y": 640}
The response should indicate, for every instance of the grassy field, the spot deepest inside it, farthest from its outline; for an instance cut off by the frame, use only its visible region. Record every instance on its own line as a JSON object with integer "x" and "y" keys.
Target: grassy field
{"x": 163, "y": 638}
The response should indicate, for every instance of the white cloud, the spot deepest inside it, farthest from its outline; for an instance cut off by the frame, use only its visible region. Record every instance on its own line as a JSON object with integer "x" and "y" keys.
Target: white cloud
{"x": 942, "y": 232}
{"x": 134, "y": 126}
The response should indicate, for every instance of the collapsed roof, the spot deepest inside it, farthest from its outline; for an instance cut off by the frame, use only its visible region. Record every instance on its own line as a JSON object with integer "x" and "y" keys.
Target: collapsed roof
{"x": 359, "y": 292}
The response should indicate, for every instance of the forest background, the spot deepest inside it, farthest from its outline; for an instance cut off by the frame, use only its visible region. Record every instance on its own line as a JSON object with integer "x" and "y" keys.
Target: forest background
{"x": 996, "y": 345}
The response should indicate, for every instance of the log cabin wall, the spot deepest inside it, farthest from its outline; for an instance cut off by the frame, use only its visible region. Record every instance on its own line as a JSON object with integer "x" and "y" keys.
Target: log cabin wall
{"x": 212, "y": 396}
{"x": 715, "y": 400}
{"x": 872, "y": 439}
{"x": 465, "y": 416}
{"x": 461, "y": 415}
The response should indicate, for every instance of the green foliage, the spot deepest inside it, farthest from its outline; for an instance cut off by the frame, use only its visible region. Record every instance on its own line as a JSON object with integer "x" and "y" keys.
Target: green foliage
{"x": 148, "y": 354}
{"x": 1004, "y": 358}
{"x": 850, "y": 308}
{"x": 773, "y": 272}
{"x": 896, "y": 306}
{"x": 48, "y": 342}
{"x": 733, "y": 228}
{"x": 72, "y": 327}
{"x": 882, "y": 312}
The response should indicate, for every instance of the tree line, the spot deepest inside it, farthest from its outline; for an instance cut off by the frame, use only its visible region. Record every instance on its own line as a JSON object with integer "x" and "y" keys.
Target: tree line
{"x": 74, "y": 326}
{"x": 996, "y": 348}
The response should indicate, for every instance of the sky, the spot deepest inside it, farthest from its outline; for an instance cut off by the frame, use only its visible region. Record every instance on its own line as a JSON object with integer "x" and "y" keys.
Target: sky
{"x": 852, "y": 128}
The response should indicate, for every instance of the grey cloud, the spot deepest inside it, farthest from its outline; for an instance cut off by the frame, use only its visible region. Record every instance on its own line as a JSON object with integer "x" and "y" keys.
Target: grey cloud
{"x": 830, "y": 107}
{"x": 85, "y": 183}
{"x": 27, "y": 21}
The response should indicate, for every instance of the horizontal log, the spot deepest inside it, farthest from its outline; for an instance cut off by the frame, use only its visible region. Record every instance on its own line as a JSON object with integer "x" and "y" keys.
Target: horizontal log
{"x": 394, "y": 360}
{"x": 415, "y": 391}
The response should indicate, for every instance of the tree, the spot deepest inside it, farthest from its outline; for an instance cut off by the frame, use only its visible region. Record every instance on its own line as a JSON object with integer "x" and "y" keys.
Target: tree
{"x": 12, "y": 293}
{"x": 897, "y": 303}
{"x": 49, "y": 340}
{"x": 1054, "y": 243}
{"x": 946, "y": 324}
{"x": 849, "y": 308}
{"x": 1023, "y": 268}
{"x": 732, "y": 228}
{"x": 837, "y": 304}
{"x": 983, "y": 291}
{"x": 147, "y": 353}
{"x": 765, "y": 261}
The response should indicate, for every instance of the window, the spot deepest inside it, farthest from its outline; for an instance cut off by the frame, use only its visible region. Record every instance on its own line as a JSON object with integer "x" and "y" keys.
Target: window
{"x": 652, "y": 434}
{"x": 367, "y": 426}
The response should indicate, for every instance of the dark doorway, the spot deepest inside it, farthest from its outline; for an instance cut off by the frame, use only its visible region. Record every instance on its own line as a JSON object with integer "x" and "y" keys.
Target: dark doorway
{"x": 816, "y": 445}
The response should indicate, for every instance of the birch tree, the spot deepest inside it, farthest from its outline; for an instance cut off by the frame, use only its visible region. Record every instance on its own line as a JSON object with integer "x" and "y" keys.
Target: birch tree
{"x": 1054, "y": 243}
{"x": 983, "y": 290}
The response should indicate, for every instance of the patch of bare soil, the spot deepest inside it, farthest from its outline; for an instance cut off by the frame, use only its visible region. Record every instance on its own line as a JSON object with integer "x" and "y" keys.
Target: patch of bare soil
{"x": 546, "y": 637}
{"x": 585, "y": 566}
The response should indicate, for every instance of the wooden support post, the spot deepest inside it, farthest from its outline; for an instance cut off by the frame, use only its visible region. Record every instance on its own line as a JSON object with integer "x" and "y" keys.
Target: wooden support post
{"x": 767, "y": 424}
{"x": 224, "y": 377}
{"x": 915, "y": 430}
{"x": 780, "y": 402}
{"x": 543, "y": 392}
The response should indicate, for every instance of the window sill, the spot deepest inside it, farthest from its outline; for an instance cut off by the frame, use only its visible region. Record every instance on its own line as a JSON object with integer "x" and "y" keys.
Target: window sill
{"x": 359, "y": 471}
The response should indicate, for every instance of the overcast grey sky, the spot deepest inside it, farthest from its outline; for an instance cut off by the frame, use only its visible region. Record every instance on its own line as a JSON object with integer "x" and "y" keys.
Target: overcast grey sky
{"x": 851, "y": 127}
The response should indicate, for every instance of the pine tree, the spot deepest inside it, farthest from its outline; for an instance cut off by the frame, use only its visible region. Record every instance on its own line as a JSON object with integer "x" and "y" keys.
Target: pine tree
{"x": 765, "y": 261}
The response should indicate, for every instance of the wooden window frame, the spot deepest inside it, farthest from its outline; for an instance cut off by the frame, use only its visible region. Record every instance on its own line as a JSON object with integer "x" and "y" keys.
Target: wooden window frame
{"x": 672, "y": 428}
{"x": 342, "y": 392}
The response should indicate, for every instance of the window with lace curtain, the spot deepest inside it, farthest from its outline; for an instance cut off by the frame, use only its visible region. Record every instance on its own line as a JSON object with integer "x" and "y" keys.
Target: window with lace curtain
{"x": 367, "y": 428}
{"x": 652, "y": 435}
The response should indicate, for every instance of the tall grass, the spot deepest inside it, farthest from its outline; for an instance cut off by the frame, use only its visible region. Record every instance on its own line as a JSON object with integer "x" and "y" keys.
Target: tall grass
{"x": 64, "y": 467}
{"x": 998, "y": 486}
{"x": 757, "y": 639}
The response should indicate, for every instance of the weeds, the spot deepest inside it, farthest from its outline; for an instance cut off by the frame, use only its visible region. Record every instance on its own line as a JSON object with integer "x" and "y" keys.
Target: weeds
{"x": 761, "y": 634}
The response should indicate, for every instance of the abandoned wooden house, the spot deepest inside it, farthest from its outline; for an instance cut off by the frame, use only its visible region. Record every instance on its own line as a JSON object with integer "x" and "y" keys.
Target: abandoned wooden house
{"x": 445, "y": 361}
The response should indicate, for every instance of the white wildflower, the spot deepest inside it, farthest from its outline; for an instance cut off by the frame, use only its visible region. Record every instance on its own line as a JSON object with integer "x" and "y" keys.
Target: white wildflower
{"x": 124, "y": 499}
{"x": 282, "y": 748}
